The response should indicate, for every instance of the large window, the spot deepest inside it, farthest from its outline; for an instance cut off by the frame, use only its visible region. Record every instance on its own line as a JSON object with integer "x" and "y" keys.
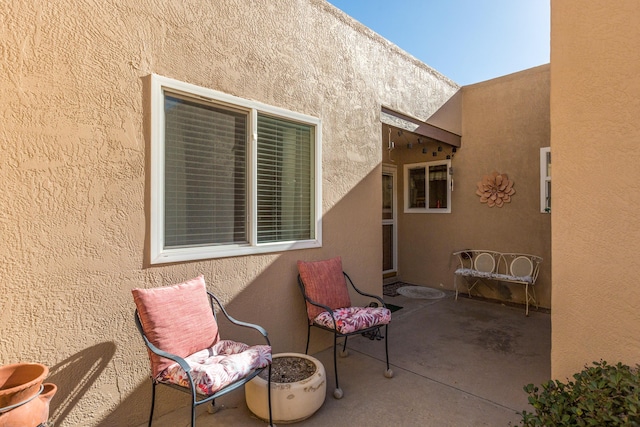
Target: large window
{"x": 230, "y": 176}
{"x": 427, "y": 187}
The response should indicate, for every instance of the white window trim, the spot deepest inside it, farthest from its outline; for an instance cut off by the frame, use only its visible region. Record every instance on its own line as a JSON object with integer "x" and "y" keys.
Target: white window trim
{"x": 545, "y": 178}
{"x": 158, "y": 254}
{"x": 426, "y": 165}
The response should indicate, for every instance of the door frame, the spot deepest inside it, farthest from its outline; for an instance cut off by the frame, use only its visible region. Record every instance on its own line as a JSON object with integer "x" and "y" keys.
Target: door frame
{"x": 392, "y": 171}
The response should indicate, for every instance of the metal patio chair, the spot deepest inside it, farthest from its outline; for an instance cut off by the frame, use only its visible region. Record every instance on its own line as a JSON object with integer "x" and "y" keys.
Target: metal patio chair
{"x": 324, "y": 287}
{"x": 179, "y": 327}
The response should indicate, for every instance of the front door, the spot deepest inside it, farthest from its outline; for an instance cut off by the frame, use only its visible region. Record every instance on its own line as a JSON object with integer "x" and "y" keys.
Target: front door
{"x": 389, "y": 226}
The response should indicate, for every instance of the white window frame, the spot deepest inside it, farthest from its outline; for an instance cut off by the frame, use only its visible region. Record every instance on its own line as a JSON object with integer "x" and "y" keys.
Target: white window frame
{"x": 545, "y": 180}
{"x": 426, "y": 209}
{"x": 158, "y": 253}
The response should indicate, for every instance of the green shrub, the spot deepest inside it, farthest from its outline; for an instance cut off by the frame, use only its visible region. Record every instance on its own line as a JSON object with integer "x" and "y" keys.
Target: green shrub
{"x": 601, "y": 395}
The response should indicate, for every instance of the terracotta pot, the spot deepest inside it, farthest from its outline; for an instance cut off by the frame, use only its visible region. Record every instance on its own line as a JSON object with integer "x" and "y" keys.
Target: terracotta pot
{"x": 31, "y": 414}
{"x": 20, "y": 381}
{"x": 290, "y": 402}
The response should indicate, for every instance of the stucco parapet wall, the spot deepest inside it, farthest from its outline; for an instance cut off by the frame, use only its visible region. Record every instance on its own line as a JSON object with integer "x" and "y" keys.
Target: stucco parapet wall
{"x": 368, "y": 32}
{"x": 545, "y": 68}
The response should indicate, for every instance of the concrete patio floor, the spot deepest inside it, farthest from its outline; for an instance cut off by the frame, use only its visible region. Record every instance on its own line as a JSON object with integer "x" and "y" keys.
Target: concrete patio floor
{"x": 455, "y": 363}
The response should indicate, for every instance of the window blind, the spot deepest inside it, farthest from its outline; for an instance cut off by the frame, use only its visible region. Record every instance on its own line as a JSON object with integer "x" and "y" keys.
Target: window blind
{"x": 285, "y": 167}
{"x": 205, "y": 174}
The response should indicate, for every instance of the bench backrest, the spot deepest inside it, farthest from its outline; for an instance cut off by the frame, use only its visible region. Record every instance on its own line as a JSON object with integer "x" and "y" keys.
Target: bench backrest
{"x": 522, "y": 265}
{"x": 485, "y": 262}
{"x": 509, "y": 263}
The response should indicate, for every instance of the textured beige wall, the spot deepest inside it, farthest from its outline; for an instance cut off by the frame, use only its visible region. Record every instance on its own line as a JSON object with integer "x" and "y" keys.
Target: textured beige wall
{"x": 505, "y": 122}
{"x": 595, "y": 138}
{"x": 74, "y": 137}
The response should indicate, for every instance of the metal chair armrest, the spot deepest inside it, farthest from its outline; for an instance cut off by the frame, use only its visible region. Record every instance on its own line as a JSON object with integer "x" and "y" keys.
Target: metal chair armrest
{"x": 376, "y": 297}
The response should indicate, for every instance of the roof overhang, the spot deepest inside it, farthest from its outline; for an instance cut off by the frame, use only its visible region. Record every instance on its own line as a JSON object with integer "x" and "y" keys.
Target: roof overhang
{"x": 419, "y": 127}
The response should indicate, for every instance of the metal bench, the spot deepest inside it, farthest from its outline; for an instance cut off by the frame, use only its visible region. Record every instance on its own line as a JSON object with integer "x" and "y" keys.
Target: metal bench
{"x": 475, "y": 266}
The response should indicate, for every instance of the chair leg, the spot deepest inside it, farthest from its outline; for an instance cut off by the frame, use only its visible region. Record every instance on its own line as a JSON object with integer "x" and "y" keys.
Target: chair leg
{"x": 386, "y": 343}
{"x": 153, "y": 400}
{"x": 344, "y": 352}
{"x": 388, "y": 373}
{"x": 337, "y": 393}
{"x": 193, "y": 415}
{"x": 212, "y": 408}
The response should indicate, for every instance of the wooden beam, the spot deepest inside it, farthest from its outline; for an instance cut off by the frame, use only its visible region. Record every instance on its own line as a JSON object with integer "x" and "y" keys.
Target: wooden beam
{"x": 422, "y": 128}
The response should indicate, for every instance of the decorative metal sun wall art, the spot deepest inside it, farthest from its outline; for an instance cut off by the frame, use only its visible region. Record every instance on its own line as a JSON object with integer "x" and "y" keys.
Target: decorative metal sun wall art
{"x": 495, "y": 189}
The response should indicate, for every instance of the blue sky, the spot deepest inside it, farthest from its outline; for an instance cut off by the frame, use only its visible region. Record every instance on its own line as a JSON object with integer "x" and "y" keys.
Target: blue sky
{"x": 468, "y": 41}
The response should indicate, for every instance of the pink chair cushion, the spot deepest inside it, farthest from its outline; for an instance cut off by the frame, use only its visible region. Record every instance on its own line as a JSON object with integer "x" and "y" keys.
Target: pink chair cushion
{"x": 353, "y": 319}
{"x": 215, "y": 368}
{"x": 324, "y": 283}
{"x": 176, "y": 319}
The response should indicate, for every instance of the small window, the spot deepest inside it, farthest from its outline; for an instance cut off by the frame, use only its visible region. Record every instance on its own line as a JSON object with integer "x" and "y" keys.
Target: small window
{"x": 427, "y": 187}
{"x": 545, "y": 179}
{"x": 230, "y": 176}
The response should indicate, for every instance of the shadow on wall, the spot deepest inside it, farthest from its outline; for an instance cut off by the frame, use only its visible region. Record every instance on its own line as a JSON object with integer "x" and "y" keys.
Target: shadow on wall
{"x": 272, "y": 300}
{"x": 75, "y": 375}
{"x": 352, "y": 229}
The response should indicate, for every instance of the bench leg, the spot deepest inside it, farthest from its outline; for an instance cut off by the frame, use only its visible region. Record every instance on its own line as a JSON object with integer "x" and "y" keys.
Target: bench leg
{"x": 470, "y": 288}
{"x": 455, "y": 284}
{"x": 530, "y": 297}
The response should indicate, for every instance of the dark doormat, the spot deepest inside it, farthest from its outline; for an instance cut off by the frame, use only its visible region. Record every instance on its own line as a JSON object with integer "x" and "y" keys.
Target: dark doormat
{"x": 392, "y": 307}
{"x": 391, "y": 290}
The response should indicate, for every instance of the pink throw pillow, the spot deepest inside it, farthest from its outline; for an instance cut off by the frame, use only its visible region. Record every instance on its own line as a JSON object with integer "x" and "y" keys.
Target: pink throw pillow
{"x": 176, "y": 319}
{"x": 324, "y": 282}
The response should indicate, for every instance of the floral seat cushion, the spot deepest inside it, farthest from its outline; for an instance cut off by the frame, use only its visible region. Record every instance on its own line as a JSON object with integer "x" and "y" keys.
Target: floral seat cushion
{"x": 508, "y": 277}
{"x": 494, "y": 276}
{"x": 353, "y": 319}
{"x": 473, "y": 273}
{"x": 215, "y": 368}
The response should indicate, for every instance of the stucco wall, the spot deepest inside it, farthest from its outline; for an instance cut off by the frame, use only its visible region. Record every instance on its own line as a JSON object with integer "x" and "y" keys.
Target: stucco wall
{"x": 505, "y": 122}
{"x": 595, "y": 93}
{"x": 74, "y": 203}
